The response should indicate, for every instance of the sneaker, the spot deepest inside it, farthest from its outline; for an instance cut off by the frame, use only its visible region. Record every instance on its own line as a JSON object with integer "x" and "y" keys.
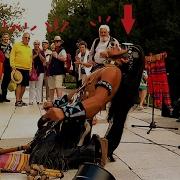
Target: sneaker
{"x": 23, "y": 103}
{"x": 4, "y": 99}
{"x": 18, "y": 104}
{"x": 39, "y": 103}
{"x": 140, "y": 108}
{"x": 7, "y": 100}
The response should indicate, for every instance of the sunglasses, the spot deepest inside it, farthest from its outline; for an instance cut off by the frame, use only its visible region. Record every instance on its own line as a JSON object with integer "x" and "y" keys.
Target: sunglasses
{"x": 57, "y": 41}
{"x": 27, "y": 37}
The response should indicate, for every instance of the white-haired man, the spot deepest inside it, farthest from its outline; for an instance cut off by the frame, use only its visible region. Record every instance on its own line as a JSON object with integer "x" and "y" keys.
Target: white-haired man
{"x": 96, "y": 55}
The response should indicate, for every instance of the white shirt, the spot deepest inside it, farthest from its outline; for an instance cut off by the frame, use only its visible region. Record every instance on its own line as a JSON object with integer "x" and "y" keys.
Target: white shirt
{"x": 102, "y": 46}
{"x": 47, "y": 54}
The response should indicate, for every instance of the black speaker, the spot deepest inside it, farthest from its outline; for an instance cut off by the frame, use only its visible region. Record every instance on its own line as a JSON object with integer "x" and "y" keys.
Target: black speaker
{"x": 90, "y": 171}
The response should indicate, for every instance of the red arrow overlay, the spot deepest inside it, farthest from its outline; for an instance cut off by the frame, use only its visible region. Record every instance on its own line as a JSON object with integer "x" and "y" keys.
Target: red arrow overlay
{"x": 127, "y": 20}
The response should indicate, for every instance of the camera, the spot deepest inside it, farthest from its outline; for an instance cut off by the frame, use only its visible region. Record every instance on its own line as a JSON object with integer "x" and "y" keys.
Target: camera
{"x": 112, "y": 44}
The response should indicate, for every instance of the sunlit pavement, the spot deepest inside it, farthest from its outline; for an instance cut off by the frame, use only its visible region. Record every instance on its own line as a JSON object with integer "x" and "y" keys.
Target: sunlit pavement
{"x": 140, "y": 156}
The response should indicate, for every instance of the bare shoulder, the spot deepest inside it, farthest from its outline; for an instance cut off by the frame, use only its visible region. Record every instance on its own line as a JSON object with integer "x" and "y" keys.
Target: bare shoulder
{"x": 111, "y": 74}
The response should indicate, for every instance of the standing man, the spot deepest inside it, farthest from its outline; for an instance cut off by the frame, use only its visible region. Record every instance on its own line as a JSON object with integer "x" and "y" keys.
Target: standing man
{"x": 57, "y": 68}
{"x": 97, "y": 58}
{"x": 21, "y": 59}
{"x": 47, "y": 53}
{"x": 5, "y": 47}
{"x": 127, "y": 91}
{"x": 101, "y": 44}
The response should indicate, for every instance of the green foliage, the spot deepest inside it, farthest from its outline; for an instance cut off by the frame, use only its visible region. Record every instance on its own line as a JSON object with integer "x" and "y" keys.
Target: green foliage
{"x": 156, "y": 29}
{"x": 10, "y": 14}
{"x": 69, "y": 79}
{"x": 79, "y": 13}
{"x": 70, "y": 85}
{"x": 69, "y": 82}
{"x": 76, "y": 12}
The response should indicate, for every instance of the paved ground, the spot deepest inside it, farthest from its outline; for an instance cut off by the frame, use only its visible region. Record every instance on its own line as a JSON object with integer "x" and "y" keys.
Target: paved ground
{"x": 140, "y": 156}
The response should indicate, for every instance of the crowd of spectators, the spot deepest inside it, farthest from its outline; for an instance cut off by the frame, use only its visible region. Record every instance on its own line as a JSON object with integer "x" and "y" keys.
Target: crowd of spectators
{"x": 51, "y": 63}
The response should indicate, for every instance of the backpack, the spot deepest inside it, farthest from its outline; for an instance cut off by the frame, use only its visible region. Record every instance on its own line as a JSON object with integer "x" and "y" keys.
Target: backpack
{"x": 97, "y": 42}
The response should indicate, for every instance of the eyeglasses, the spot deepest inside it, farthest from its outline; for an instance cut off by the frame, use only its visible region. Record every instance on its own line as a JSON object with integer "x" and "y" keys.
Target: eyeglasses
{"x": 57, "y": 41}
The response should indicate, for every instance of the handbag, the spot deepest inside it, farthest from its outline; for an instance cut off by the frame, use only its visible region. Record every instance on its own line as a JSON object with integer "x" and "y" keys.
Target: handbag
{"x": 33, "y": 76}
{"x": 1, "y": 69}
{"x": 2, "y": 58}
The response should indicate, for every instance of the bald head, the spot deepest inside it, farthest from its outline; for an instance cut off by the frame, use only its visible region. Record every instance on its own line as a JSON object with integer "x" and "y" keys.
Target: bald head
{"x": 26, "y": 38}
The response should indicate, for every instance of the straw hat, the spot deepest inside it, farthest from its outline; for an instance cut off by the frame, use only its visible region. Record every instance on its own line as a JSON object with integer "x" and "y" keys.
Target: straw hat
{"x": 12, "y": 86}
{"x": 16, "y": 76}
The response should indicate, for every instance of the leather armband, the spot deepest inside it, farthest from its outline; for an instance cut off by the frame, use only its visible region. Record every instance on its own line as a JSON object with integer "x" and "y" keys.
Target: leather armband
{"x": 74, "y": 112}
{"x": 62, "y": 101}
{"x": 105, "y": 85}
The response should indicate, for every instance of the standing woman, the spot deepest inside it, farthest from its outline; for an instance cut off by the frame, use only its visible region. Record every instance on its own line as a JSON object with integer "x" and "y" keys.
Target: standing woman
{"x": 84, "y": 67}
{"x": 143, "y": 89}
{"x": 35, "y": 87}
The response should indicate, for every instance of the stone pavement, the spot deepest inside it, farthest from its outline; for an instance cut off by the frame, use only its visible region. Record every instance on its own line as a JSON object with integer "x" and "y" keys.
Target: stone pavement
{"x": 140, "y": 156}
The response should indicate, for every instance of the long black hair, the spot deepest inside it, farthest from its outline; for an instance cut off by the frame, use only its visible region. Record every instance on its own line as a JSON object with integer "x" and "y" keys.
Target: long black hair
{"x": 125, "y": 97}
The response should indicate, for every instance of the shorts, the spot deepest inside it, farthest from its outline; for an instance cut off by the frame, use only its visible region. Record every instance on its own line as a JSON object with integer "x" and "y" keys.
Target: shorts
{"x": 141, "y": 88}
{"x": 25, "y": 75}
{"x": 55, "y": 81}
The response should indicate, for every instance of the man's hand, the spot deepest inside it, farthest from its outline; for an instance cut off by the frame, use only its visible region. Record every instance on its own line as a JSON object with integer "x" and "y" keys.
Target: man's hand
{"x": 124, "y": 60}
{"x": 77, "y": 62}
{"x": 104, "y": 54}
{"x": 47, "y": 105}
{"x": 77, "y": 58}
{"x": 121, "y": 61}
{"x": 54, "y": 114}
{"x": 13, "y": 69}
{"x": 54, "y": 54}
{"x": 91, "y": 63}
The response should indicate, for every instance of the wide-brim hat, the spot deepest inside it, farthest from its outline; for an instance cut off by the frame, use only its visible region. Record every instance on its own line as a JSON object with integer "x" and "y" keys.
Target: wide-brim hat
{"x": 12, "y": 86}
{"x": 45, "y": 41}
{"x": 16, "y": 76}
